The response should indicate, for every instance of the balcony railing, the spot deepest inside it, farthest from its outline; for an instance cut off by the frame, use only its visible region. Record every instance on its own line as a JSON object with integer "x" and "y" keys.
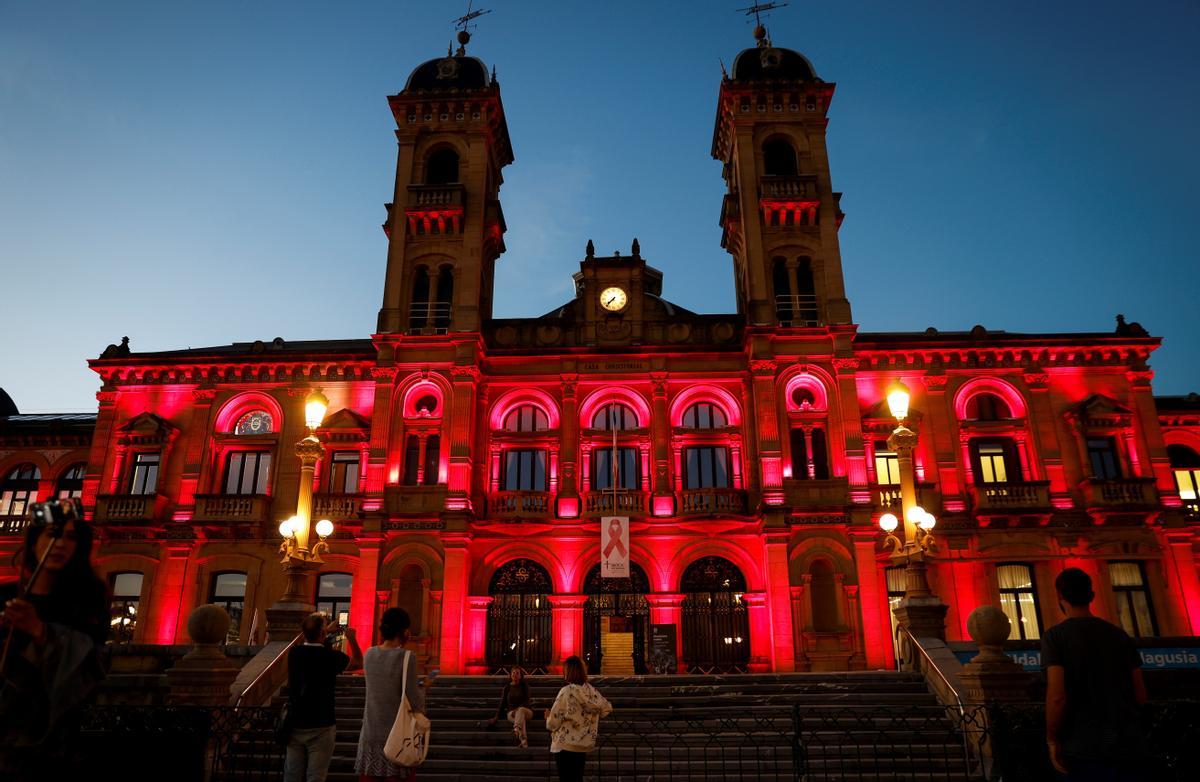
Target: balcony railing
{"x": 798, "y": 310}
{"x": 704, "y": 501}
{"x": 1119, "y": 492}
{"x": 137, "y": 508}
{"x": 429, "y": 317}
{"x": 625, "y": 503}
{"x": 415, "y": 499}
{"x": 830, "y": 491}
{"x": 425, "y": 196}
{"x": 1012, "y": 496}
{"x": 520, "y": 504}
{"x": 337, "y": 507}
{"x": 789, "y": 187}
{"x": 13, "y": 525}
{"x": 887, "y": 497}
{"x": 247, "y": 509}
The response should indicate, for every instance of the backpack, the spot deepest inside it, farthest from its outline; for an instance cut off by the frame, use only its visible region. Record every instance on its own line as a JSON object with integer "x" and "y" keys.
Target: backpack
{"x": 408, "y": 742}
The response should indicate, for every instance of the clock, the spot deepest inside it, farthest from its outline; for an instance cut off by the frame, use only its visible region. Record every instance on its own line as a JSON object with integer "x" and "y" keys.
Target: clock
{"x": 613, "y": 299}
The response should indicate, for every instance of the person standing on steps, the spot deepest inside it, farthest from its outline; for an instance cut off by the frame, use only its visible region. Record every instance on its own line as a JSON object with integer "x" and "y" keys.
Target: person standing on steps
{"x": 313, "y": 668}
{"x": 515, "y": 705}
{"x": 1093, "y": 690}
{"x": 384, "y": 666}
{"x": 574, "y": 721}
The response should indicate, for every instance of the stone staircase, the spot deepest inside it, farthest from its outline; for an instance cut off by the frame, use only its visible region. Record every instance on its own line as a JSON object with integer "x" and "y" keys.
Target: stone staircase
{"x": 854, "y": 727}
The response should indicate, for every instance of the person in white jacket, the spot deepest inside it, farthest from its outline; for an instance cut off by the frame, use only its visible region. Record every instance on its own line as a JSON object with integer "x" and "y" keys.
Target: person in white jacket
{"x": 574, "y": 721}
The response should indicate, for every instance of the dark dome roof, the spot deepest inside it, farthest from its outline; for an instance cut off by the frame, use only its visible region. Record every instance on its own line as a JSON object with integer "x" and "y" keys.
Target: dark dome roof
{"x": 771, "y": 63}
{"x": 449, "y": 73}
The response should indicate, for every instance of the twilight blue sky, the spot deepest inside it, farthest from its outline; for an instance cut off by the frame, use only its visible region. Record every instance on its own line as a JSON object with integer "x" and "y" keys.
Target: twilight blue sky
{"x": 187, "y": 172}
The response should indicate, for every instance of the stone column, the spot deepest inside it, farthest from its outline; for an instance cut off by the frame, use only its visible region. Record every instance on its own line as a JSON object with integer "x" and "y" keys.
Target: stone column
{"x": 876, "y": 626}
{"x": 662, "y": 503}
{"x": 567, "y": 627}
{"x": 474, "y": 641}
{"x": 779, "y": 602}
{"x": 454, "y": 604}
{"x": 203, "y": 676}
{"x": 193, "y": 459}
{"x": 799, "y": 621}
{"x": 760, "y": 631}
{"x": 568, "y": 502}
{"x": 1181, "y": 562}
{"x": 362, "y": 598}
{"x": 166, "y": 595}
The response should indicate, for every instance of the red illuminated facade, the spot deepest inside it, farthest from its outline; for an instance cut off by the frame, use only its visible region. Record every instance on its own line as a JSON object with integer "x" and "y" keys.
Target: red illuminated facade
{"x": 468, "y": 459}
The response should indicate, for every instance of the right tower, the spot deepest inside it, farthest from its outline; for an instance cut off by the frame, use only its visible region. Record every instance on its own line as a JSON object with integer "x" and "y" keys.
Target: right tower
{"x": 780, "y": 216}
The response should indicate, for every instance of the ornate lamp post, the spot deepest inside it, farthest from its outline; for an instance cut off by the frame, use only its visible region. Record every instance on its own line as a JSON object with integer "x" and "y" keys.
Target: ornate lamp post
{"x": 920, "y": 611}
{"x": 299, "y": 557}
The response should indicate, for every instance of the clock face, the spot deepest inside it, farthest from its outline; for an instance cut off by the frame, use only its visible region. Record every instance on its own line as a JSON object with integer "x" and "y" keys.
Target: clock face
{"x": 613, "y": 299}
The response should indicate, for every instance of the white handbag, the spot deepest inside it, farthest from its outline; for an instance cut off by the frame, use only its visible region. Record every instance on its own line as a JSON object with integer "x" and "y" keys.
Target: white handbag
{"x": 408, "y": 742}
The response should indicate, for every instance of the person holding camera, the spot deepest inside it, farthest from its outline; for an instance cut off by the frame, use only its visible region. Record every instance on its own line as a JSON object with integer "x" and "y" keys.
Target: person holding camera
{"x": 54, "y": 620}
{"x": 313, "y": 668}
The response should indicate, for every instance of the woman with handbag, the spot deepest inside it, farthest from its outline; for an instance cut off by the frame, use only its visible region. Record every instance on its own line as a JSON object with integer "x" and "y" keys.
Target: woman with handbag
{"x": 391, "y": 673}
{"x": 574, "y": 721}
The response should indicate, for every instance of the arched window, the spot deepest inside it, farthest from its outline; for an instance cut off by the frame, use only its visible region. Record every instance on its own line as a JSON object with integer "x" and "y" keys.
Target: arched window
{"x": 441, "y": 168}
{"x": 433, "y": 452}
{"x": 519, "y": 618}
{"x": 70, "y": 483}
{"x": 806, "y": 294}
{"x": 614, "y": 416}
{"x": 716, "y": 625}
{"x": 823, "y": 594}
{"x": 443, "y": 306}
{"x": 19, "y": 489}
{"x": 704, "y": 415}
{"x": 987, "y": 407}
{"x": 418, "y": 310}
{"x": 785, "y": 308}
{"x": 254, "y": 422}
{"x": 412, "y": 460}
{"x": 803, "y": 398}
{"x": 624, "y": 598}
{"x": 526, "y": 418}
{"x": 1185, "y": 464}
{"x": 427, "y": 406}
{"x": 779, "y": 158}
{"x": 412, "y": 596}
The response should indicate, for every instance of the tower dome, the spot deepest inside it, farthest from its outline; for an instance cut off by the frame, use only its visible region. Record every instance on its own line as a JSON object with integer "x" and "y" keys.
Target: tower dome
{"x": 452, "y": 72}
{"x": 769, "y": 63}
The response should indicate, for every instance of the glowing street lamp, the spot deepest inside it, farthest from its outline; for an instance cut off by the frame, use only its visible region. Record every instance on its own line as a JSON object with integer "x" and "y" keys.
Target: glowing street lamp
{"x": 920, "y": 610}
{"x": 299, "y": 557}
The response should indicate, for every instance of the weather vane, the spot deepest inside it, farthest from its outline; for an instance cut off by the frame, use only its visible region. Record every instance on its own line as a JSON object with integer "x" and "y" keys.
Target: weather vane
{"x": 758, "y": 9}
{"x": 464, "y": 25}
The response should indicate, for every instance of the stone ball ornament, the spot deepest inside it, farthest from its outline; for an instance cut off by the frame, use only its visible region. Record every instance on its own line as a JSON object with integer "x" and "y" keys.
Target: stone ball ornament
{"x": 989, "y": 627}
{"x": 208, "y": 624}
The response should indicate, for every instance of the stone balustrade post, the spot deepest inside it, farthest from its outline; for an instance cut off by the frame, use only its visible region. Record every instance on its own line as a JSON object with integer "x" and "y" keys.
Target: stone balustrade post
{"x": 203, "y": 676}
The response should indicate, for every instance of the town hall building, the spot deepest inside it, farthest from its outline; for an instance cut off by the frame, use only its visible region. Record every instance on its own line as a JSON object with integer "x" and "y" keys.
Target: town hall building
{"x": 466, "y": 460}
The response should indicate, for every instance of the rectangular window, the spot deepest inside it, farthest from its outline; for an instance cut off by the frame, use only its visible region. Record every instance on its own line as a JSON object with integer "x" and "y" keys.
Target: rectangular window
{"x": 412, "y": 460}
{"x": 433, "y": 457}
{"x": 229, "y": 592}
{"x": 628, "y": 474}
{"x": 144, "y": 477}
{"x": 993, "y": 462}
{"x": 343, "y": 472}
{"x": 1102, "y": 453}
{"x": 707, "y": 467}
{"x": 524, "y": 470}
{"x": 123, "y": 608}
{"x": 1187, "y": 480}
{"x": 1133, "y": 598}
{"x": 333, "y": 597}
{"x": 246, "y": 472}
{"x": 1018, "y": 600}
{"x": 887, "y": 466}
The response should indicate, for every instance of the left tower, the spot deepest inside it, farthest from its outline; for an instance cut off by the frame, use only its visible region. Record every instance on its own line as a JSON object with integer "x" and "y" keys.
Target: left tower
{"x": 445, "y": 228}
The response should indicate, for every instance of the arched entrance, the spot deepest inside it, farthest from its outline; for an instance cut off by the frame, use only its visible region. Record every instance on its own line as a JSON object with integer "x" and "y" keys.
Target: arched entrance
{"x": 716, "y": 626}
{"x": 519, "y": 618}
{"x": 622, "y": 599}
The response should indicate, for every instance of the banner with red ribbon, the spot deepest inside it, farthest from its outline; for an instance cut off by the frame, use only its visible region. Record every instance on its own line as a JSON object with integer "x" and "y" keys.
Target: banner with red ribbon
{"x": 614, "y": 547}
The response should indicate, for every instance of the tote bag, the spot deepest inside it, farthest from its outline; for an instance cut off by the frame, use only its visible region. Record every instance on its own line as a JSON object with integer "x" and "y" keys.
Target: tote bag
{"x": 408, "y": 742}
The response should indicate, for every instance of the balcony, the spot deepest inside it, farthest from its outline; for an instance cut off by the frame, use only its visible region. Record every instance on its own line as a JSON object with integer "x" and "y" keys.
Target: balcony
{"x": 416, "y": 500}
{"x": 130, "y": 508}
{"x": 887, "y": 497}
{"x": 520, "y": 504}
{"x": 337, "y": 507}
{"x": 13, "y": 525}
{"x": 1119, "y": 492}
{"x": 1012, "y": 497}
{"x": 235, "y": 508}
{"x": 797, "y": 187}
{"x": 435, "y": 196}
{"x": 799, "y": 310}
{"x": 627, "y": 503}
{"x": 699, "y": 502}
{"x": 828, "y": 492}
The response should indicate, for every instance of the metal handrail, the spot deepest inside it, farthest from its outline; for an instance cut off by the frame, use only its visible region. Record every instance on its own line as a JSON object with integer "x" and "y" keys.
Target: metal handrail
{"x": 269, "y": 666}
{"x": 962, "y": 710}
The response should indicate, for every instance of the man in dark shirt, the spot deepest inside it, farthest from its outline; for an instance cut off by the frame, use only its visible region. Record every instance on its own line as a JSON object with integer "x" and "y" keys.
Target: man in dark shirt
{"x": 1093, "y": 690}
{"x": 313, "y": 668}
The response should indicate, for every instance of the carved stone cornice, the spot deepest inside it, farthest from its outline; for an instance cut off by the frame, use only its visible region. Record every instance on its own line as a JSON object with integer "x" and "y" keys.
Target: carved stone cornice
{"x": 846, "y": 364}
{"x": 1140, "y": 379}
{"x": 203, "y": 395}
{"x": 1037, "y": 381}
{"x": 763, "y": 367}
{"x": 384, "y": 373}
{"x": 934, "y": 384}
{"x": 658, "y": 381}
{"x": 466, "y": 374}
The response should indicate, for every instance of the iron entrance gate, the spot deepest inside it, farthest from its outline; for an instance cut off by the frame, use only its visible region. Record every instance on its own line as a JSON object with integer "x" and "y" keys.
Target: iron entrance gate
{"x": 609, "y": 597}
{"x": 716, "y": 625}
{"x": 519, "y": 618}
